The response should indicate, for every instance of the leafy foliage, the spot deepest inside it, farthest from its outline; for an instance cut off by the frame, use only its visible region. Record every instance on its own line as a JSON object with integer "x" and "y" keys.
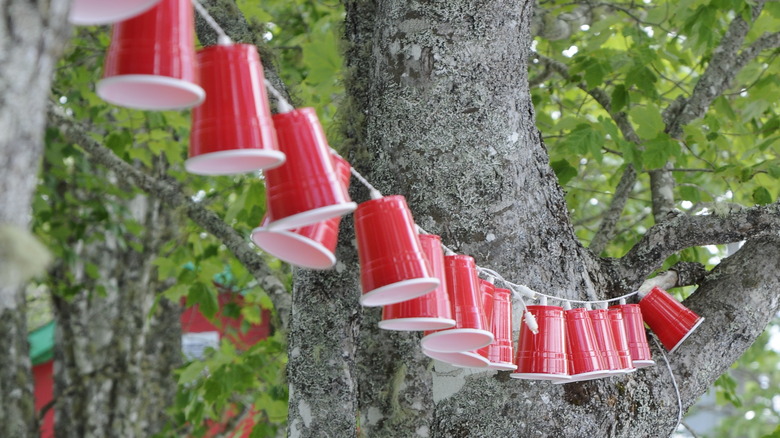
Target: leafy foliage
{"x": 645, "y": 57}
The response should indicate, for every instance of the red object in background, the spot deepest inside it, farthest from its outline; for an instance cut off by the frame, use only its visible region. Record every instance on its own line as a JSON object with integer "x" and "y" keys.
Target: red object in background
{"x": 44, "y": 394}
{"x": 192, "y": 321}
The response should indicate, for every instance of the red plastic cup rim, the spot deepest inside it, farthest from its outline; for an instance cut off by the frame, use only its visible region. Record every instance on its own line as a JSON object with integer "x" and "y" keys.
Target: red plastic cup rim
{"x": 310, "y": 217}
{"x": 150, "y": 92}
{"x": 293, "y": 248}
{"x": 642, "y": 363}
{"x": 591, "y": 375}
{"x": 457, "y": 340}
{"x": 467, "y": 359}
{"x": 502, "y": 366}
{"x": 563, "y": 378}
{"x": 417, "y": 324}
{"x": 399, "y": 292}
{"x": 96, "y": 12}
{"x": 234, "y": 161}
{"x": 695, "y": 326}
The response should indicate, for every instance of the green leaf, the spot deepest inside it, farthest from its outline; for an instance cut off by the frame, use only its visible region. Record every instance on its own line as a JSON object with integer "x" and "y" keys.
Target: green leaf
{"x": 191, "y": 372}
{"x": 644, "y": 79}
{"x": 119, "y": 141}
{"x": 762, "y": 196}
{"x": 584, "y": 139}
{"x": 564, "y": 171}
{"x": 92, "y": 271}
{"x": 659, "y": 150}
{"x": 205, "y": 297}
{"x": 619, "y": 98}
{"x": 648, "y": 121}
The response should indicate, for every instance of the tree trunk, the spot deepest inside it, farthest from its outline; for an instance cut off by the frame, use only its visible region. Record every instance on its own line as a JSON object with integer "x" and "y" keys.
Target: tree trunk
{"x": 439, "y": 110}
{"x": 32, "y": 35}
{"x": 114, "y": 361}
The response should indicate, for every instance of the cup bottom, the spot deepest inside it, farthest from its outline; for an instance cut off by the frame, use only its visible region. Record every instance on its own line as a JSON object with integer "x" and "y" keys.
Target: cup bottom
{"x": 150, "y": 92}
{"x": 457, "y": 340}
{"x": 643, "y": 363}
{"x": 564, "y": 378}
{"x": 97, "y": 12}
{"x": 313, "y": 216}
{"x": 695, "y": 326}
{"x": 417, "y": 324}
{"x": 591, "y": 375}
{"x": 293, "y": 248}
{"x": 399, "y": 292}
{"x": 467, "y": 359}
{"x": 502, "y": 366}
{"x": 235, "y": 161}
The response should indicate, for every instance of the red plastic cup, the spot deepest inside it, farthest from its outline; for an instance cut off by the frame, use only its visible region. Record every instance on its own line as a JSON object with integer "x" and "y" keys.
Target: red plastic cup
{"x": 585, "y": 356}
{"x": 96, "y": 12}
{"x": 486, "y": 290}
{"x": 470, "y": 332}
{"x": 615, "y": 317}
{"x": 431, "y": 311}
{"x": 542, "y": 356}
{"x": 150, "y": 63}
{"x": 392, "y": 264}
{"x": 668, "y": 318}
{"x": 466, "y": 359}
{"x": 500, "y": 353}
{"x": 232, "y": 132}
{"x": 312, "y": 246}
{"x": 635, "y": 333}
{"x": 305, "y": 189}
{"x": 605, "y": 340}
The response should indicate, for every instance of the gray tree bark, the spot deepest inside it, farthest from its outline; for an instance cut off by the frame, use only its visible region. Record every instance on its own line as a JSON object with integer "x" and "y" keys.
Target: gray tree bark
{"x": 32, "y": 35}
{"x": 439, "y": 110}
{"x": 114, "y": 360}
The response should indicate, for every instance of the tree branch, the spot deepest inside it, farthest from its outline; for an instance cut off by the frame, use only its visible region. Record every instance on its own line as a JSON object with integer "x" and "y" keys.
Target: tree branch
{"x": 607, "y": 227}
{"x": 723, "y": 67}
{"x": 171, "y": 192}
{"x": 662, "y": 192}
{"x": 765, "y": 42}
{"x": 683, "y": 231}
